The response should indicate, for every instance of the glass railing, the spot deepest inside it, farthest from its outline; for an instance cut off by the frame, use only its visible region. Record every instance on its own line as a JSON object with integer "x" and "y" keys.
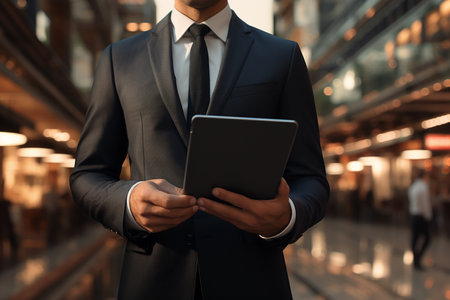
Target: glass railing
{"x": 419, "y": 42}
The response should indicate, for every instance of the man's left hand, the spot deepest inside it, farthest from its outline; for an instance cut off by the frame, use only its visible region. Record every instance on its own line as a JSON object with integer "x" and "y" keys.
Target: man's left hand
{"x": 263, "y": 217}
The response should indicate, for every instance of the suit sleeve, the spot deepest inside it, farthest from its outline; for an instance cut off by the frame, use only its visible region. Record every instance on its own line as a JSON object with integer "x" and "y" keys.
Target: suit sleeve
{"x": 95, "y": 181}
{"x": 305, "y": 171}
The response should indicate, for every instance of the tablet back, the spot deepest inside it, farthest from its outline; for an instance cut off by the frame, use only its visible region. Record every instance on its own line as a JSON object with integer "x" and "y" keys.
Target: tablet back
{"x": 244, "y": 155}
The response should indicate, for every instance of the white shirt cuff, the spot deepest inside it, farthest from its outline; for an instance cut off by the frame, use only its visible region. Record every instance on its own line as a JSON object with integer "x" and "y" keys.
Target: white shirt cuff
{"x": 288, "y": 227}
{"x": 129, "y": 218}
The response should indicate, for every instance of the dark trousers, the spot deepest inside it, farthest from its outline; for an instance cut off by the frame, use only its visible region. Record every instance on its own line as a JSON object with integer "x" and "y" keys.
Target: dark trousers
{"x": 420, "y": 237}
{"x": 198, "y": 289}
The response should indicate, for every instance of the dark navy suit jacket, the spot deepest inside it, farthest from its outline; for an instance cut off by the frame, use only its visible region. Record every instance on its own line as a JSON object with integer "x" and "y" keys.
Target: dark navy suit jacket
{"x": 135, "y": 110}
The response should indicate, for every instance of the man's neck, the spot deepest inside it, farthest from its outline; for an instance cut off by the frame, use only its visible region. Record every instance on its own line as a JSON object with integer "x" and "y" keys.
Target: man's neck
{"x": 200, "y": 14}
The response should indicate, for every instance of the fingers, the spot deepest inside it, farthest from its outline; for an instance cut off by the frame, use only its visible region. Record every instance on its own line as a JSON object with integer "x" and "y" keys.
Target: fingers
{"x": 266, "y": 217}
{"x": 158, "y": 205}
{"x": 167, "y": 187}
{"x": 172, "y": 213}
{"x": 235, "y": 199}
{"x": 164, "y": 195}
{"x": 223, "y": 211}
{"x": 156, "y": 223}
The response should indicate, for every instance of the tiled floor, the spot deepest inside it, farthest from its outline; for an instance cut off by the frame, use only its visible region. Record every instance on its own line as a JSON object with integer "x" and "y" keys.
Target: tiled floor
{"x": 340, "y": 259}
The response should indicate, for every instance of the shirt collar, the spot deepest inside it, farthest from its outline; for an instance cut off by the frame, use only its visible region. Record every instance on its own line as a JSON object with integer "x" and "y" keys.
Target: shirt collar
{"x": 218, "y": 23}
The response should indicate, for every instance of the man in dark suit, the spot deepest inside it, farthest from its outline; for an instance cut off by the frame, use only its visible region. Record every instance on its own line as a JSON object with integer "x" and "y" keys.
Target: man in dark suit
{"x": 143, "y": 96}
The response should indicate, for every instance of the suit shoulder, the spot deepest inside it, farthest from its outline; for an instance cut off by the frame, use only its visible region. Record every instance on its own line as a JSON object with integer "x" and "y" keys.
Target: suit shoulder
{"x": 270, "y": 40}
{"x": 131, "y": 43}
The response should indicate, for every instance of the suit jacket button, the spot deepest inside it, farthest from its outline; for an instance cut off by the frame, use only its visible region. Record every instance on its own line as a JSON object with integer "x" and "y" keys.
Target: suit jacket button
{"x": 189, "y": 239}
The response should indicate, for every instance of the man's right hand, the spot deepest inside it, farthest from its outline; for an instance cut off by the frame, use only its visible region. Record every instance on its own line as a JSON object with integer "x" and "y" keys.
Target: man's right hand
{"x": 158, "y": 205}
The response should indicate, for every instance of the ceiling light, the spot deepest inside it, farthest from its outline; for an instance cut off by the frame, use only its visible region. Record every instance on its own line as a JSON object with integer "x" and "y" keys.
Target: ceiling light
{"x": 369, "y": 160}
{"x": 335, "y": 169}
{"x": 34, "y": 152}
{"x": 132, "y": 27}
{"x": 416, "y": 154}
{"x": 68, "y": 163}
{"x": 355, "y": 166}
{"x": 358, "y": 145}
{"x": 12, "y": 139}
{"x": 145, "y": 26}
{"x": 56, "y": 158}
{"x": 434, "y": 122}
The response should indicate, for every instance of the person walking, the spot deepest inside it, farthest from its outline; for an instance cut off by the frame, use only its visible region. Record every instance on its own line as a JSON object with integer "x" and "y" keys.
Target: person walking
{"x": 200, "y": 59}
{"x": 421, "y": 215}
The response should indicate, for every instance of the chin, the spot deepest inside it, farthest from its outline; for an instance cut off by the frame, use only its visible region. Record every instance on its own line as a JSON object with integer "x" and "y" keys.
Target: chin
{"x": 201, "y": 4}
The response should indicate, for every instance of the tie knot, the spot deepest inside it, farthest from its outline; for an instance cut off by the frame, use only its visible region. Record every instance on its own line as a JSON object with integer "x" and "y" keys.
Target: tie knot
{"x": 199, "y": 30}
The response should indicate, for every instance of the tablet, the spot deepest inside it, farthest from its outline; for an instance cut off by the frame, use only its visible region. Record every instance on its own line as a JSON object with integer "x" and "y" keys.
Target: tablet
{"x": 244, "y": 155}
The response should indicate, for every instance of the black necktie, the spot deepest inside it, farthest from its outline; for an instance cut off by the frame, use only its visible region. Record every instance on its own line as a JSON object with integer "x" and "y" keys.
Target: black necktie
{"x": 198, "y": 72}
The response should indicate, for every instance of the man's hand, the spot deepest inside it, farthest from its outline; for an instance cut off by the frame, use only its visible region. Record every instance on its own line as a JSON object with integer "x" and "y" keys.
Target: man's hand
{"x": 263, "y": 217}
{"x": 157, "y": 205}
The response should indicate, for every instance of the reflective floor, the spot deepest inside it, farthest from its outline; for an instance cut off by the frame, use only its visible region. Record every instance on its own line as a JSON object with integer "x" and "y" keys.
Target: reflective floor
{"x": 340, "y": 259}
{"x": 336, "y": 259}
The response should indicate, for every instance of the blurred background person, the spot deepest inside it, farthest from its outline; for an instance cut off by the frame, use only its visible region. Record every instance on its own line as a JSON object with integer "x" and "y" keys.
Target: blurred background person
{"x": 52, "y": 210}
{"x": 8, "y": 238}
{"x": 421, "y": 215}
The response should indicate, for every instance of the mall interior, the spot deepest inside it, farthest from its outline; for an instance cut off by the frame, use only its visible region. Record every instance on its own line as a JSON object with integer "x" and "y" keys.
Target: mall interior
{"x": 380, "y": 71}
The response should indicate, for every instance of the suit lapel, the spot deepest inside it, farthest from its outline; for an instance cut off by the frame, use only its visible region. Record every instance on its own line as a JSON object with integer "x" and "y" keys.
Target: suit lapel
{"x": 160, "y": 52}
{"x": 238, "y": 44}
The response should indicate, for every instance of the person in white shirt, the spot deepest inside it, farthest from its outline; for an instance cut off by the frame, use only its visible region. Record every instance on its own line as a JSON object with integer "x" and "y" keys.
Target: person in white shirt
{"x": 421, "y": 214}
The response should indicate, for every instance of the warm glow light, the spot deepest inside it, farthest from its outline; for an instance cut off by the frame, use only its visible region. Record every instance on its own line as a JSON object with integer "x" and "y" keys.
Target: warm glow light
{"x": 425, "y": 91}
{"x": 403, "y": 37}
{"x": 350, "y": 34}
{"x": 318, "y": 245}
{"x": 370, "y": 12}
{"x": 338, "y": 259}
{"x": 437, "y": 87}
{"x": 416, "y": 154}
{"x": 394, "y": 135}
{"x": 416, "y": 95}
{"x": 444, "y": 8}
{"x": 381, "y": 267}
{"x": 416, "y": 32}
{"x": 429, "y": 283}
{"x": 434, "y": 122}
{"x": 355, "y": 166}
{"x": 57, "y": 135}
{"x": 22, "y": 3}
{"x": 340, "y": 111}
{"x": 408, "y": 257}
{"x": 328, "y": 91}
{"x": 369, "y": 160}
{"x": 57, "y": 158}
{"x": 69, "y": 163}
{"x": 350, "y": 80}
{"x": 362, "y": 268}
{"x": 12, "y": 139}
{"x": 132, "y": 2}
{"x": 396, "y": 103}
{"x": 144, "y": 26}
{"x": 72, "y": 143}
{"x": 34, "y": 152}
{"x": 335, "y": 169}
{"x": 358, "y": 146}
{"x": 132, "y": 27}
{"x": 437, "y": 141}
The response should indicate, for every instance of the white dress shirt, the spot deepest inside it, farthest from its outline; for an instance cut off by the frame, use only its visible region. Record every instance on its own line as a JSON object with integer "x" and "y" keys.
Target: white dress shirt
{"x": 419, "y": 199}
{"x": 181, "y": 48}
